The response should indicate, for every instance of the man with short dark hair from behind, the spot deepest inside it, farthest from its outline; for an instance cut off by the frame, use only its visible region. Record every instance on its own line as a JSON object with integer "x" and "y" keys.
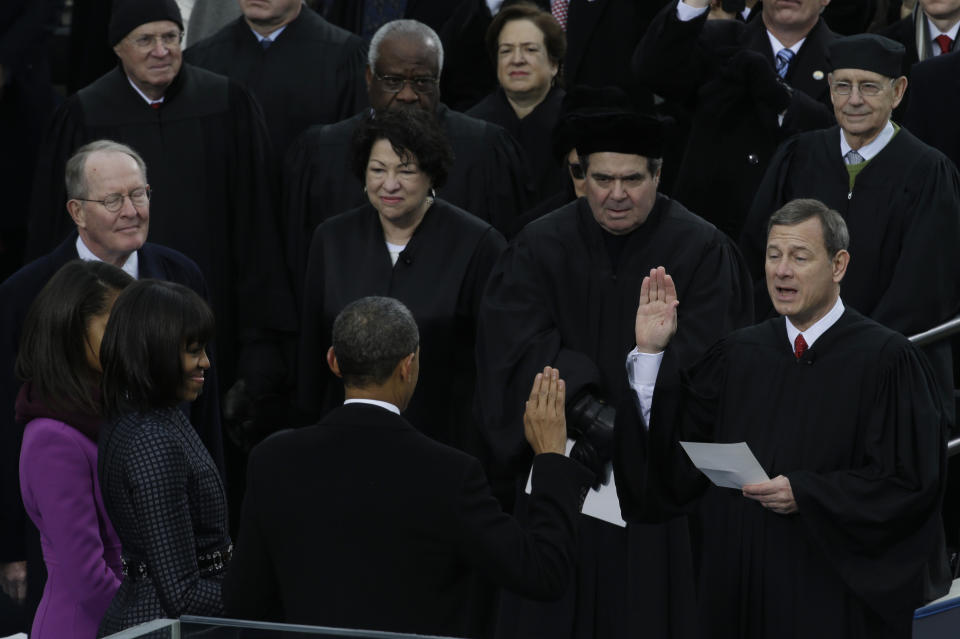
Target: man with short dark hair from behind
{"x": 361, "y": 521}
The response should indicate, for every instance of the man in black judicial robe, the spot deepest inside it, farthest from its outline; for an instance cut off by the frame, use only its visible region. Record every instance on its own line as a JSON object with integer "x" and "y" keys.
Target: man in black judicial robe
{"x": 901, "y": 202}
{"x": 487, "y": 178}
{"x": 203, "y": 138}
{"x": 564, "y": 294}
{"x": 311, "y": 72}
{"x": 19, "y": 539}
{"x": 846, "y": 540}
{"x": 725, "y": 72}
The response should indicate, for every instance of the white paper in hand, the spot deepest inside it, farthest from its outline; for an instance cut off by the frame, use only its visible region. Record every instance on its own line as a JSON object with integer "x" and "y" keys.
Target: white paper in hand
{"x": 726, "y": 465}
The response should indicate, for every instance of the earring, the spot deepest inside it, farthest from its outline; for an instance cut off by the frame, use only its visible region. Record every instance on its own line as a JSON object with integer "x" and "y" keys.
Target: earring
{"x": 364, "y": 189}
{"x": 433, "y": 193}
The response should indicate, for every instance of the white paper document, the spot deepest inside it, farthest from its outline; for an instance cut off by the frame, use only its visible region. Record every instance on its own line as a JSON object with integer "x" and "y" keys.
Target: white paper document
{"x": 600, "y": 504}
{"x": 726, "y": 465}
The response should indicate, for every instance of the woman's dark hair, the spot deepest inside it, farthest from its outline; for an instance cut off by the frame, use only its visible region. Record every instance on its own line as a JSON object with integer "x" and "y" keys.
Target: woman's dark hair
{"x": 152, "y": 321}
{"x": 53, "y": 345}
{"x": 411, "y": 132}
{"x": 554, "y": 39}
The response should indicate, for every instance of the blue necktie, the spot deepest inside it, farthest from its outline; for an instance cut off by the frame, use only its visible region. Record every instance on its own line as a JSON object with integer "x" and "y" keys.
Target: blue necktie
{"x": 266, "y": 43}
{"x": 784, "y": 58}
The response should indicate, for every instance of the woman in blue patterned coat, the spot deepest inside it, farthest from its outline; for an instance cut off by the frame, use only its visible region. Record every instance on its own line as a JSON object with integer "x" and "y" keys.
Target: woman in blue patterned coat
{"x": 160, "y": 486}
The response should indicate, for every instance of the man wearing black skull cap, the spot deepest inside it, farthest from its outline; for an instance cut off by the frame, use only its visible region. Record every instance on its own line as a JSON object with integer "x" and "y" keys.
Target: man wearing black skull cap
{"x": 899, "y": 197}
{"x": 564, "y": 293}
{"x": 206, "y": 144}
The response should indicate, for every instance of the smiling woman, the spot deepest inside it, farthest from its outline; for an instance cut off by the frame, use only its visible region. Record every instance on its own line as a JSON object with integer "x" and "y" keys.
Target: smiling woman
{"x": 160, "y": 486}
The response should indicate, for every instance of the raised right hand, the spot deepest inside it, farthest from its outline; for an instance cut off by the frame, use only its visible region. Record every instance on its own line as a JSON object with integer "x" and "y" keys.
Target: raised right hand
{"x": 657, "y": 312}
{"x": 544, "y": 420}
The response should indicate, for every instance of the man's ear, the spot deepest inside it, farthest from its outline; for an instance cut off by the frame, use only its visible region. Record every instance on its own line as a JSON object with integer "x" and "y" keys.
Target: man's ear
{"x": 840, "y": 262}
{"x": 406, "y": 366}
{"x": 332, "y": 362}
{"x": 75, "y": 209}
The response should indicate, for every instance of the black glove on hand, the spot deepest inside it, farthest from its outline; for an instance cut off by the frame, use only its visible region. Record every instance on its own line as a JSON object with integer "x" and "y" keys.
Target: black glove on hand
{"x": 590, "y": 423}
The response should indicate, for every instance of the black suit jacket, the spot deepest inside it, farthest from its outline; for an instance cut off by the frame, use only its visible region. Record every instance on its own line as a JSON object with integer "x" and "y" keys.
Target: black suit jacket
{"x": 361, "y": 521}
{"x": 935, "y": 103}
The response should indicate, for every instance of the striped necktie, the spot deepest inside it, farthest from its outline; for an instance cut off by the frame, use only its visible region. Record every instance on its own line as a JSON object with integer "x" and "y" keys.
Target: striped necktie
{"x": 784, "y": 58}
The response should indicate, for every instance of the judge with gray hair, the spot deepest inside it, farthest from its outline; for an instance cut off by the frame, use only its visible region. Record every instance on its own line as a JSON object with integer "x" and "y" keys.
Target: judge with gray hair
{"x": 899, "y": 197}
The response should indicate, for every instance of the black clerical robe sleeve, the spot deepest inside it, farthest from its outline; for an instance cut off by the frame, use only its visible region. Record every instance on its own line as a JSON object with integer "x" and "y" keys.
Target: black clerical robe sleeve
{"x": 516, "y": 337}
{"x": 670, "y": 58}
{"x": 879, "y": 522}
{"x": 505, "y": 192}
{"x": 655, "y": 479}
{"x": 49, "y": 221}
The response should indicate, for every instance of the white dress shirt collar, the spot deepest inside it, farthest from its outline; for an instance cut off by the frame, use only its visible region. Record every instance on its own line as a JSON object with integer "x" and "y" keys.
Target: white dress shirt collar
{"x": 820, "y": 327}
{"x": 144, "y": 95}
{"x": 777, "y": 46}
{"x": 131, "y": 266}
{"x": 376, "y": 402}
{"x": 869, "y": 151}
{"x": 934, "y": 32}
{"x": 272, "y": 36}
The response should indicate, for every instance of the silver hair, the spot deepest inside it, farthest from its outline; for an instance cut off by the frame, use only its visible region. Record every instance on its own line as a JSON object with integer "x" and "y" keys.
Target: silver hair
{"x": 75, "y": 175}
{"x": 410, "y": 29}
{"x": 836, "y": 237}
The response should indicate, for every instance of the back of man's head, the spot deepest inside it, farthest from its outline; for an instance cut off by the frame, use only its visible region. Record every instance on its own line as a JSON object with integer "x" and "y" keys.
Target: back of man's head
{"x": 370, "y": 337}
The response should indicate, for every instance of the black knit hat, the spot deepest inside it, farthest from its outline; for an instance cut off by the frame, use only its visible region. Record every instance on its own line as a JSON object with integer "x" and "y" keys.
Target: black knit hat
{"x": 868, "y": 52}
{"x": 127, "y": 15}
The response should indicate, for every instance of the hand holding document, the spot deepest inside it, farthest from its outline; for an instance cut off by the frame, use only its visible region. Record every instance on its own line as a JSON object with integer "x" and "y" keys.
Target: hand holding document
{"x": 726, "y": 465}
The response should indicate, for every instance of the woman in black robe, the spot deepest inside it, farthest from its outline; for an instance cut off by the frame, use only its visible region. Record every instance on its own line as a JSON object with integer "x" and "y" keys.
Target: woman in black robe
{"x": 527, "y": 47}
{"x": 409, "y": 244}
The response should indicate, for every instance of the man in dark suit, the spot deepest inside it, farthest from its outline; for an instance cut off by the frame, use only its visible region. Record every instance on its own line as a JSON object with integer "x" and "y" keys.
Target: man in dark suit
{"x": 361, "y": 521}
{"x": 110, "y": 207}
{"x": 748, "y": 86}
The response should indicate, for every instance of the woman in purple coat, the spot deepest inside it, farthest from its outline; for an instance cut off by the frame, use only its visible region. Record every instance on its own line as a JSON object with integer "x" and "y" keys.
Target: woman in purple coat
{"x": 59, "y": 403}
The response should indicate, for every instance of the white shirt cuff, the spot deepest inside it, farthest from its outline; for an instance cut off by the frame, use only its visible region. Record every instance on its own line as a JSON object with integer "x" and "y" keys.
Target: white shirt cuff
{"x": 686, "y": 13}
{"x": 642, "y": 371}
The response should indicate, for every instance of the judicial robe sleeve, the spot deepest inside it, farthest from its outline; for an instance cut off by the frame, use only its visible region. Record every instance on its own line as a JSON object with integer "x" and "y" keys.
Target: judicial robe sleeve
{"x": 670, "y": 58}
{"x": 655, "y": 479}
{"x": 516, "y": 338}
{"x": 879, "y": 523}
{"x": 506, "y": 186}
{"x": 49, "y": 221}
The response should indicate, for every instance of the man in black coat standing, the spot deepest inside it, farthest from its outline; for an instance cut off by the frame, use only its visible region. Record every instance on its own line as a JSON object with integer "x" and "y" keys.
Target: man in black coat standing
{"x": 361, "y": 521}
{"x": 748, "y": 86}
{"x": 110, "y": 208}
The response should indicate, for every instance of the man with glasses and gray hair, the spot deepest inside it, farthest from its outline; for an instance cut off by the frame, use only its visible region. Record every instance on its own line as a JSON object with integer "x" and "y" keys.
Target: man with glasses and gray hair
{"x": 110, "y": 208}
{"x": 405, "y": 59}
{"x": 900, "y": 199}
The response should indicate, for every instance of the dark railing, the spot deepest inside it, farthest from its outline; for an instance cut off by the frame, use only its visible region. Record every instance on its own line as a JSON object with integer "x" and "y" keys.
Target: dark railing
{"x": 935, "y": 334}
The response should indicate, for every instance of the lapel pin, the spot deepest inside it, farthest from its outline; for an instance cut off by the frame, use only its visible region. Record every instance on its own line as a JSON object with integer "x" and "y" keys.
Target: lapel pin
{"x": 818, "y": 75}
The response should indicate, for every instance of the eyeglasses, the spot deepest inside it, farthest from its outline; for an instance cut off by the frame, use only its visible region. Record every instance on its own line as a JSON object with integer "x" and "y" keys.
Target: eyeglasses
{"x": 395, "y": 83}
{"x": 170, "y": 40}
{"x": 868, "y": 89}
{"x": 114, "y": 201}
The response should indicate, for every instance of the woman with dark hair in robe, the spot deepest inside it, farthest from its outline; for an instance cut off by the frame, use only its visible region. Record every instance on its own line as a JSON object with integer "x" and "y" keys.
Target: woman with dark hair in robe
{"x": 59, "y": 402}
{"x": 527, "y": 46}
{"x": 410, "y": 244}
{"x": 160, "y": 486}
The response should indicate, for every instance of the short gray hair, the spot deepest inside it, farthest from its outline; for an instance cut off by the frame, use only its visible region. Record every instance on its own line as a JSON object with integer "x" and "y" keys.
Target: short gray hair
{"x": 370, "y": 337}
{"x": 75, "y": 175}
{"x": 836, "y": 237}
{"x": 410, "y": 29}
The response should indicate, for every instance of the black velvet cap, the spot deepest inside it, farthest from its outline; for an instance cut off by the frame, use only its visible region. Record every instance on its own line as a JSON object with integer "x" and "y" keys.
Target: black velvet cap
{"x": 127, "y": 15}
{"x": 619, "y": 132}
{"x": 868, "y": 52}
{"x": 579, "y": 101}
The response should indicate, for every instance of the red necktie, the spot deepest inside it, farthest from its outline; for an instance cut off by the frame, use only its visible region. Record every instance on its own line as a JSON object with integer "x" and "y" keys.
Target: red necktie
{"x": 155, "y": 105}
{"x": 944, "y": 41}
{"x": 559, "y": 10}
{"x": 799, "y": 346}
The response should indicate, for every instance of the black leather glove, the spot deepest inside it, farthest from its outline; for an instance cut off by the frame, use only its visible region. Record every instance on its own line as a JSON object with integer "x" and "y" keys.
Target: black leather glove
{"x": 590, "y": 424}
